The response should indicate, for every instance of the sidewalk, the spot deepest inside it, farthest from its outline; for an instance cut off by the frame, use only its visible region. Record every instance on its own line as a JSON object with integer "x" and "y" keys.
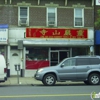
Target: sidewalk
{"x": 21, "y": 81}
{"x": 31, "y": 81}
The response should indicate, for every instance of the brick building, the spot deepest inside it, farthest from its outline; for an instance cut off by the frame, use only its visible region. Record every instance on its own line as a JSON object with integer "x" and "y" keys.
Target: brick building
{"x": 43, "y": 32}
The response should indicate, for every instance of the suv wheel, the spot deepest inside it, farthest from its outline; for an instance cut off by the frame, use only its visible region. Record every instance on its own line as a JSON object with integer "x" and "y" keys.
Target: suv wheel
{"x": 94, "y": 79}
{"x": 49, "y": 80}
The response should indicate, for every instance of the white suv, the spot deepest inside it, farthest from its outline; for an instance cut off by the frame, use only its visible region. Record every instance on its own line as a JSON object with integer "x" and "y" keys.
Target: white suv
{"x": 79, "y": 68}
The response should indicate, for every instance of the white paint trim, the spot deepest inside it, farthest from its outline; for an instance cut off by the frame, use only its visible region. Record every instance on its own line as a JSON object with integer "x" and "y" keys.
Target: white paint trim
{"x": 8, "y": 56}
{"x": 66, "y": 1}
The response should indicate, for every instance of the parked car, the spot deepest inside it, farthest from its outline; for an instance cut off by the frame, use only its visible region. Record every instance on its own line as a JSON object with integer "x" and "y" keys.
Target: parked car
{"x": 78, "y": 68}
{"x": 3, "y": 69}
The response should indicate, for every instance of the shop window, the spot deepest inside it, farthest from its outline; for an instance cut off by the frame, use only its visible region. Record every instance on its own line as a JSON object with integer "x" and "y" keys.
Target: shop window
{"x": 51, "y": 16}
{"x": 78, "y": 17}
{"x": 37, "y": 54}
{"x": 80, "y": 51}
{"x": 37, "y": 58}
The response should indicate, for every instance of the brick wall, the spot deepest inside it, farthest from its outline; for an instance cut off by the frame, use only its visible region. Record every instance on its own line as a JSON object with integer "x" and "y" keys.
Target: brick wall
{"x": 65, "y": 17}
{"x": 37, "y": 16}
{"x": 37, "y": 13}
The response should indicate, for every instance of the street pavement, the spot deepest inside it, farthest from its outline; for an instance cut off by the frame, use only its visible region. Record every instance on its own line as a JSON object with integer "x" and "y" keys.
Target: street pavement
{"x": 30, "y": 81}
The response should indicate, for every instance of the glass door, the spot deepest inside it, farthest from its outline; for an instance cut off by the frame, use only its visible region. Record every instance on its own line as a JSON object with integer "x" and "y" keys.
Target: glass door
{"x": 63, "y": 54}
{"x": 54, "y": 58}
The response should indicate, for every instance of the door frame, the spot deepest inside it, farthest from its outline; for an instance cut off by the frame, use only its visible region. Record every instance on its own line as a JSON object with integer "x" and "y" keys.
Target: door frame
{"x": 19, "y": 55}
{"x": 54, "y": 51}
{"x": 58, "y": 51}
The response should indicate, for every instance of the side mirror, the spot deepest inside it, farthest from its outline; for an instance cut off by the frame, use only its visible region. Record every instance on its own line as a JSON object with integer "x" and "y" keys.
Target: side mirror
{"x": 62, "y": 65}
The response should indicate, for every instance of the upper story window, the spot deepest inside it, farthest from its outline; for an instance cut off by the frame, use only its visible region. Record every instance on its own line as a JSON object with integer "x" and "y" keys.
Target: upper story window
{"x": 51, "y": 16}
{"x": 23, "y": 16}
{"x": 78, "y": 17}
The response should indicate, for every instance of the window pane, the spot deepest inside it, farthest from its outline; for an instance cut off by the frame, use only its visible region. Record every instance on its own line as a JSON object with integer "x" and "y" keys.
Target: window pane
{"x": 70, "y": 62}
{"x": 83, "y": 61}
{"x": 51, "y": 10}
{"x": 23, "y": 11}
{"x": 78, "y": 17}
{"x": 94, "y": 61}
{"x": 51, "y": 15}
{"x": 78, "y": 12}
{"x": 78, "y": 21}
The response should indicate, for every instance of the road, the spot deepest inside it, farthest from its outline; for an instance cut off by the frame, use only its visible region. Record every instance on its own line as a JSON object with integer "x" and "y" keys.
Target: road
{"x": 58, "y": 92}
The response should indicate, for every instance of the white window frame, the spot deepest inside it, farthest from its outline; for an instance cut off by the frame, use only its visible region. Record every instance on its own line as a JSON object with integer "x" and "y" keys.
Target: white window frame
{"x": 79, "y": 17}
{"x": 19, "y": 17}
{"x": 47, "y": 21}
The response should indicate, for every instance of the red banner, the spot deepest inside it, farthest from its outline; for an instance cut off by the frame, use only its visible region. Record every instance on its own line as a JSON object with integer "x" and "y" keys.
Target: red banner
{"x": 36, "y": 64}
{"x": 56, "y": 33}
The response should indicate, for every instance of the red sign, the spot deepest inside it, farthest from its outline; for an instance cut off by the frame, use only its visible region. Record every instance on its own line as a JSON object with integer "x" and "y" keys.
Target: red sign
{"x": 56, "y": 33}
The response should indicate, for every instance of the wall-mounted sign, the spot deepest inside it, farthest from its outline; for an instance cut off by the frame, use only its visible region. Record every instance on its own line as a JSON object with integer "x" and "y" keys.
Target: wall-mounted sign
{"x": 56, "y": 33}
{"x": 3, "y": 34}
{"x": 97, "y": 37}
{"x": 97, "y": 2}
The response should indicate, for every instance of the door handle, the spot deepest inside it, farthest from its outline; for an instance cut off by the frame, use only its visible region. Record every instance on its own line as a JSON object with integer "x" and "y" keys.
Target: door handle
{"x": 88, "y": 67}
{"x": 73, "y": 67}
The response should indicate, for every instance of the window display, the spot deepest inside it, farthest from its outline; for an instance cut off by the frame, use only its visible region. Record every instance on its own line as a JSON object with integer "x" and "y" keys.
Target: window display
{"x": 37, "y": 58}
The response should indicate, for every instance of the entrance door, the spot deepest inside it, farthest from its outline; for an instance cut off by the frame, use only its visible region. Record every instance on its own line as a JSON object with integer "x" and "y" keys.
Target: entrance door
{"x": 54, "y": 58}
{"x": 14, "y": 59}
{"x": 57, "y": 56}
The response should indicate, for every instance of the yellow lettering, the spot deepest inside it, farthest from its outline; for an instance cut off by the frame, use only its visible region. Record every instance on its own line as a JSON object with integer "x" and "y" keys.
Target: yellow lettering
{"x": 80, "y": 33}
{"x": 67, "y": 32}
{"x": 30, "y": 32}
{"x": 56, "y": 33}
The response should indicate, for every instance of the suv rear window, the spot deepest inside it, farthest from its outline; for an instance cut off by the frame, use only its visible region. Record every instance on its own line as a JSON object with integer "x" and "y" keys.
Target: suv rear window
{"x": 94, "y": 61}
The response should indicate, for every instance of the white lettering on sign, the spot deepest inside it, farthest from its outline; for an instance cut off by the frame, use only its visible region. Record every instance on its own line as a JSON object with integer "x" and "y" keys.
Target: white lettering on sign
{"x": 3, "y": 35}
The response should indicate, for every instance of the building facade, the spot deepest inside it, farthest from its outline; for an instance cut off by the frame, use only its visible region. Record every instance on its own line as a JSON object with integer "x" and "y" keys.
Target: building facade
{"x": 44, "y": 32}
{"x": 97, "y": 28}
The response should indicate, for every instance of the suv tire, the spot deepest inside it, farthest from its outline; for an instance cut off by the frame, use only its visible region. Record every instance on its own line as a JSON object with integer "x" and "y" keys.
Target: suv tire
{"x": 49, "y": 80}
{"x": 94, "y": 79}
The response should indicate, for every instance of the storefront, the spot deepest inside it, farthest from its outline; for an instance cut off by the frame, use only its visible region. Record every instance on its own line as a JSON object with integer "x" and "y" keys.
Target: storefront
{"x": 35, "y": 48}
{"x": 46, "y": 47}
{"x": 38, "y": 57}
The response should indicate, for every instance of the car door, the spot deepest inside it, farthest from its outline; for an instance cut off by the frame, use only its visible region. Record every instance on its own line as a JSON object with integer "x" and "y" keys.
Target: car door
{"x": 67, "y": 70}
{"x": 83, "y": 66}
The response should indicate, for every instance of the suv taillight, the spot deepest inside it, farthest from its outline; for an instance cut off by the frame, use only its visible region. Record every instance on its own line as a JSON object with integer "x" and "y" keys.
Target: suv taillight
{"x": 5, "y": 70}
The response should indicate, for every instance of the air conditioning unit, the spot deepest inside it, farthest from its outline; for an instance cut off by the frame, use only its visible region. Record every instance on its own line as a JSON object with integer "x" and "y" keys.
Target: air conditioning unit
{"x": 23, "y": 22}
{"x": 51, "y": 23}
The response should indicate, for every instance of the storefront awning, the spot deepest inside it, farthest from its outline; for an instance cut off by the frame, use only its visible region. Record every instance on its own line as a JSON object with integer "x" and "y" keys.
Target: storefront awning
{"x": 57, "y": 42}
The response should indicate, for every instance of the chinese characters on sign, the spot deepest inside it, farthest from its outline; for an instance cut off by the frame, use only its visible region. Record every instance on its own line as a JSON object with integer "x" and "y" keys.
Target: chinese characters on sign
{"x": 56, "y": 33}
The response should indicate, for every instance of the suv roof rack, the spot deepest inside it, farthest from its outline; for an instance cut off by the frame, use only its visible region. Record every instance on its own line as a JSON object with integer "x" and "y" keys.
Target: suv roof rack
{"x": 88, "y": 56}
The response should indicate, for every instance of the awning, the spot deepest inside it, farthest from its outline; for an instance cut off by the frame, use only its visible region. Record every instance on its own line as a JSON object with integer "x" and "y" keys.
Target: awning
{"x": 57, "y": 42}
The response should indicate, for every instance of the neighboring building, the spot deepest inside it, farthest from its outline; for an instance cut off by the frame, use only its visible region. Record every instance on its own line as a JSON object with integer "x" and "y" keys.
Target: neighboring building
{"x": 43, "y": 32}
{"x": 97, "y": 29}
